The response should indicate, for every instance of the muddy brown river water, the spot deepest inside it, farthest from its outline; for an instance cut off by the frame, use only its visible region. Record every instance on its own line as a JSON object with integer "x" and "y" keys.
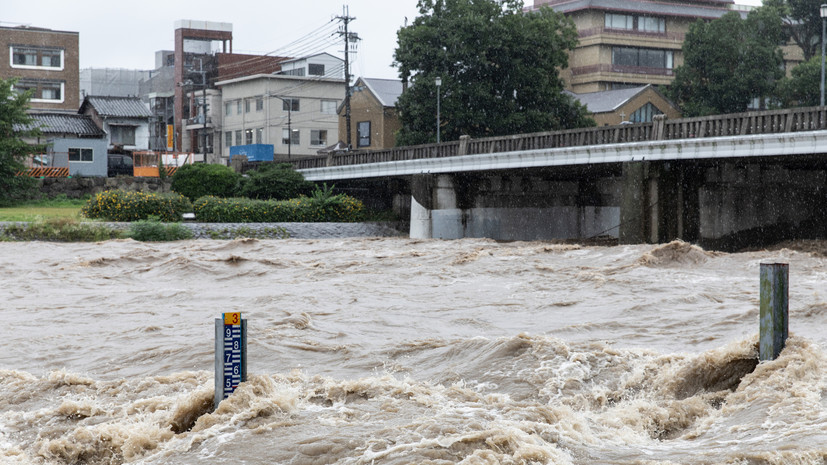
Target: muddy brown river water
{"x": 398, "y": 351}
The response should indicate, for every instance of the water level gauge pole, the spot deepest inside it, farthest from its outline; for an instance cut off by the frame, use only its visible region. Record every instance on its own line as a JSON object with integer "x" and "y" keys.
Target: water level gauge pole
{"x": 230, "y": 354}
{"x": 774, "y": 326}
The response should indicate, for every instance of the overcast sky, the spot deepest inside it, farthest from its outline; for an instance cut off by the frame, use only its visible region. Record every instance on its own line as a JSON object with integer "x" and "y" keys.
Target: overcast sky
{"x": 121, "y": 34}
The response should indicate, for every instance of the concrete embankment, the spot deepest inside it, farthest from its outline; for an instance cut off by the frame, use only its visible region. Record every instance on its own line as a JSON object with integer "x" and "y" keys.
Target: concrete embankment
{"x": 280, "y": 230}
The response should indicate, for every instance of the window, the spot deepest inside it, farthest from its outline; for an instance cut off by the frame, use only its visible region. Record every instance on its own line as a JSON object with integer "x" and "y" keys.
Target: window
{"x": 648, "y": 24}
{"x": 247, "y": 106}
{"x": 363, "y": 134}
{"x": 238, "y": 137}
{"x": 286, "y": 139}
{"x": 51, "y": 58}
{"x": 314, "y": 69}
{"x": 644, "y": 114}
{"x": 290, "y": 104}
{"x": 259, "y": 103}
{"x": 122, "y": 135}
{"x": 248, "y": 136}
{"x": 329, "y": 107}
{"x": 318, "y": 137}
{"x": 36, "y": 57}
{"x": 228, "y": 109}
{"x": 42, "y": 91}
{"x": 238, "y": 107}
{"x": 84, "y": 155}
{"x": 259, "y": 134}
{"x": 615, "y": 21}
{"x": 642, "y": 57}
{"x": 228, "y": 138}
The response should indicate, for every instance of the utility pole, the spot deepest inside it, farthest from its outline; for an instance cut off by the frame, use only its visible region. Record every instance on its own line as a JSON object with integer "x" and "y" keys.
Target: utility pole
{"x": 345, "y": 18}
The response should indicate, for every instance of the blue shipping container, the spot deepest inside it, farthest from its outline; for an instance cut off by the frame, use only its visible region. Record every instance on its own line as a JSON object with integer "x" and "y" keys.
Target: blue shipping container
{"x": 254, "y": 152}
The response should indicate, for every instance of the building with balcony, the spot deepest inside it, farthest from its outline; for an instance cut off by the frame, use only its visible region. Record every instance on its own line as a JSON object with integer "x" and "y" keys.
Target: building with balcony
{"x": 629, "y": 43}
{"x": 44, "y": 61}
{"x": 203, "y": 56}
{"x": 296, "y": 114}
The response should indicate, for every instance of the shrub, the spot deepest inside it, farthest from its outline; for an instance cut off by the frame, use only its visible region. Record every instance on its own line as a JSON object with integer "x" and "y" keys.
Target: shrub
{"x": 341, "y": 209}
{"x": 155, "y": 231}
{"x": 278, "y": 181}
{"x": 118, "y": 205}
{"x": 60, "y": 230}
{"x": 199, "y": 179}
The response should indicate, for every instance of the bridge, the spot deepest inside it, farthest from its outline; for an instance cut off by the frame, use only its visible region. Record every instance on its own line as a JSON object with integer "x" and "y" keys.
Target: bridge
{"x": 725, "y": 181}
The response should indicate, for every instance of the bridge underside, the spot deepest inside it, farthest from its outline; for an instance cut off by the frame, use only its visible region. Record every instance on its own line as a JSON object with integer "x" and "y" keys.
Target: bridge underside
{"x": 724, "y": 204}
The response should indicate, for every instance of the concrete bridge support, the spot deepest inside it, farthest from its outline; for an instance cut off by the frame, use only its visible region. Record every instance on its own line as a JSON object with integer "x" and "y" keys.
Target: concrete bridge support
{"x": 659, "y": 202}
{"x": 514, "y": 206}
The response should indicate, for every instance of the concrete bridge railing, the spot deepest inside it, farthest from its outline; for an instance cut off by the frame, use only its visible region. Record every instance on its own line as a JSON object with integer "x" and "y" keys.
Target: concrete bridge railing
{"x": 750, "y": 123}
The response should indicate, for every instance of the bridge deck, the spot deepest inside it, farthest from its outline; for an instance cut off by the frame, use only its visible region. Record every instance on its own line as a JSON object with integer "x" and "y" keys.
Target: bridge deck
{"x": 731, "y": 127}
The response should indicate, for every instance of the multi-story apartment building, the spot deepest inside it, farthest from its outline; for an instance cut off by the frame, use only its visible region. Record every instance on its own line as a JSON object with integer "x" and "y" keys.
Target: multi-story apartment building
{"x": 296, "y": 114}
{"x": 45, "y": 61}
{"x": 629, "y": 43}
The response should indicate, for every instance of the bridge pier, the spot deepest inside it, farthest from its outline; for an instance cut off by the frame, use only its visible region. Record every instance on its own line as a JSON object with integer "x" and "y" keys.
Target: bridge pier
{"x": 659, "y": 202}
{"x": 517, "y": 205}
{"x": 435, "y": 211}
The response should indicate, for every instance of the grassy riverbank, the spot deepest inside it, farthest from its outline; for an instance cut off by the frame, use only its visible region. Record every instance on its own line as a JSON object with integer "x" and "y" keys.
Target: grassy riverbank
{"x": 42, "y": 210}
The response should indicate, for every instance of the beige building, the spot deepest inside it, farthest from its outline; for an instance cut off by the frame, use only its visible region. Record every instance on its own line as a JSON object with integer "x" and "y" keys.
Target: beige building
{"x": 45, "y": 61}
{"x": 631, "y": 43}
{"x": 373, "y": 116}
{"x": 296, "y": 114}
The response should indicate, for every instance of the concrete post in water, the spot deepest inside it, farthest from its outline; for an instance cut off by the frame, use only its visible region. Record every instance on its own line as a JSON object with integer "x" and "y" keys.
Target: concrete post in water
{"x": 774, "y": 310}
{"x": 230, "y": 354}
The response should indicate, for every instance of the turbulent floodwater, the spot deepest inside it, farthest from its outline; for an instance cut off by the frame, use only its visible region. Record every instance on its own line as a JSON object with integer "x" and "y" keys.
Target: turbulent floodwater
{"x": 399, "y": 351}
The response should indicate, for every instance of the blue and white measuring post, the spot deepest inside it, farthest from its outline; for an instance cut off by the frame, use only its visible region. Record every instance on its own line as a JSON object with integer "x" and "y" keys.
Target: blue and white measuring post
{"x": 230, "y": 354}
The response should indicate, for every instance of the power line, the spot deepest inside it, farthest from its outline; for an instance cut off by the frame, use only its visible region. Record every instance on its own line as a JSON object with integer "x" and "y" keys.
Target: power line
{"x": 349, "y": 37}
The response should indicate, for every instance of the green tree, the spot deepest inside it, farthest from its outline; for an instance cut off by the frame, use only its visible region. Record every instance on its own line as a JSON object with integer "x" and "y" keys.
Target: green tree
{"x": 803, "y": 87}
{"x": 499, "y": 70}
{"x": 728, "y": 62}
{"x": 199, "y": 179}
{"x": 279, "y": 181}
{"x": 802, "y": 23}
{"x": 15, "y": 125}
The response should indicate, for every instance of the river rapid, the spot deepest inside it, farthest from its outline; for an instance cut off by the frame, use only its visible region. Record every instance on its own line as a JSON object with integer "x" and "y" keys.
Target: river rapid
{"x": 398, "y": 351}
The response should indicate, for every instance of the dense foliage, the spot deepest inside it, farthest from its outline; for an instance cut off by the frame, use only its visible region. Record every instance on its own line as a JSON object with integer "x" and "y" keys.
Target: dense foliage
{"x": 118, "y": 205}
{"x": 802, "y": 23}
{"x": 728, "y": 62}
{"x": 340, "y": 208}
{"x": 278, "y": 181}
{"x": 200, "y": 179}
{"x": 155, "y": 231}
{"x": 499, "y": 68}
{"x": 59, "y": 230}
{"x": 803, "y": 87}
{"x": 15, "y": 125}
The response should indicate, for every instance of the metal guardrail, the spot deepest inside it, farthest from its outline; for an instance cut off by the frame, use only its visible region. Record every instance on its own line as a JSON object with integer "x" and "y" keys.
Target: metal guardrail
{"x": 736, "y": 124}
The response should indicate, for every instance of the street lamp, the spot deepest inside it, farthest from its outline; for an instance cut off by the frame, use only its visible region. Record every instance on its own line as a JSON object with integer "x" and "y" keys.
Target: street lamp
{"x": 438, "y": 84}
{"x": 823, "y": 13}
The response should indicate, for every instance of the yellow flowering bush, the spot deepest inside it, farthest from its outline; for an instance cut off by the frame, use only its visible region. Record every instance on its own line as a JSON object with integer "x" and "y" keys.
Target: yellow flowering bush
{"x": 119, "y": 205}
